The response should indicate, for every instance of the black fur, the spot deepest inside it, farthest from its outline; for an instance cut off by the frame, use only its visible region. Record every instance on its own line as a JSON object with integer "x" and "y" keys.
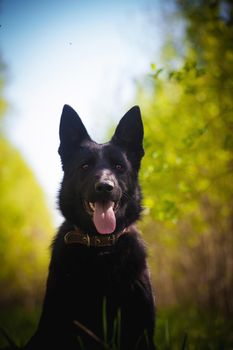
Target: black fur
{"x": 98, "y": 285}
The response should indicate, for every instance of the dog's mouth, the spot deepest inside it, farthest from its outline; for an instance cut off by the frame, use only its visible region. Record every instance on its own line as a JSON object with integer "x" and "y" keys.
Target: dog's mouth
{"x": 103, "y": 215}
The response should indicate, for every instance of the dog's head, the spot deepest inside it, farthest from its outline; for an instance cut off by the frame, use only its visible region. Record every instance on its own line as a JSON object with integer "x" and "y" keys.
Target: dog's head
{"x": 100, "y": 191}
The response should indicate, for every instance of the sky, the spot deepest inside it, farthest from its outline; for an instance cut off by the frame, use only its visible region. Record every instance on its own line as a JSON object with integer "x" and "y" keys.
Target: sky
{"x": 84, "y": 53}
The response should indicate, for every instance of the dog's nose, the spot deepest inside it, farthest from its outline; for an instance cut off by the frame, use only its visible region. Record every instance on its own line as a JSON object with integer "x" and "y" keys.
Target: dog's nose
{"x": 104, "y": 186}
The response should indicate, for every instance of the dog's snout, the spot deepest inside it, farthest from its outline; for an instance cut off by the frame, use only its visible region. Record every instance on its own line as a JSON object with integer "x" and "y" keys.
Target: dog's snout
{"x": 104, "y": 186}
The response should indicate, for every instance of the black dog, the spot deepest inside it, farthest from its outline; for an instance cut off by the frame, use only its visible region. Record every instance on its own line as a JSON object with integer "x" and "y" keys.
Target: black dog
{"x": 98, "y": 294}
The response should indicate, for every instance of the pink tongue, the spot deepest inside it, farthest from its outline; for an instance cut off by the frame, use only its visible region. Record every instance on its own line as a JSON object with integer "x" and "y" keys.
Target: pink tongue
{"x": 104, "y": 217}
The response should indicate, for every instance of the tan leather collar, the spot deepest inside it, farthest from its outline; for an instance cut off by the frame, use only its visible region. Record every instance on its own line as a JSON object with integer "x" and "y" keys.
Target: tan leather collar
{"x": 76, "y": 236}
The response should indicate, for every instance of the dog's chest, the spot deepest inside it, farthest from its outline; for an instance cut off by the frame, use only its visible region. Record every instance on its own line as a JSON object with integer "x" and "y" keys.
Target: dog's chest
{"x": 89, "y": 279}
{"x": 99, "y": 271}
{"x": 93, "y": 270}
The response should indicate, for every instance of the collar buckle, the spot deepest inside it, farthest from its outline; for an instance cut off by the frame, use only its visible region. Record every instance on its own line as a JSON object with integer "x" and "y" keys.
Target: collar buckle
{"x": 86, "y": 240}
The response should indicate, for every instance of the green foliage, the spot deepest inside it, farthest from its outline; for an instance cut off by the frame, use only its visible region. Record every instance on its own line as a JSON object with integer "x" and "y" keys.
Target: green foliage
{"x": 190, "y": 329}
{"x": 24, "y": 225}
{"x": 187, "y": 172}
{"x": 19, "y": 323}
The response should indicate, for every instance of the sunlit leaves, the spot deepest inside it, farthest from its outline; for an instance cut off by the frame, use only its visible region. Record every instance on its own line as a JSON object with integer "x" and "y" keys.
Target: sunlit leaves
{"x": 25, "y": 228}
{"x": 187, "y": 171}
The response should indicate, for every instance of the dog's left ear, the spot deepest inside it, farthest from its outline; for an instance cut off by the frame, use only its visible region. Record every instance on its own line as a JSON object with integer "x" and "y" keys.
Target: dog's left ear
{"x": 129, "y": 135}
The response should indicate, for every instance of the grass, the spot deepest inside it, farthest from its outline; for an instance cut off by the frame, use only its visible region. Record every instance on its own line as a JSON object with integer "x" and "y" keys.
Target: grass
{"x": 190, "y": 329}
{"x": 19, "y": 323}
{"x": 177, "y": 329}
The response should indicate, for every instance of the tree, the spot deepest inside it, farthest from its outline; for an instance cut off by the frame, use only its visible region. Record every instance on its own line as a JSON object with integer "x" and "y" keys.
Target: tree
{"x": 25, "y": 226}
{"x": 187, "y": 173}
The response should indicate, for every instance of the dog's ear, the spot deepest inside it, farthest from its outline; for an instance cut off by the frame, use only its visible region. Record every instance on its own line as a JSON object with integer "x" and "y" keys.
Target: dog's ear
{"x": 129, "y": 135}
{"x": 72, "y": 132}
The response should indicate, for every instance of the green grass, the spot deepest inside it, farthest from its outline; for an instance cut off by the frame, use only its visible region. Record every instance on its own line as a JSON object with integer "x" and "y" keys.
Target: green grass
{"x": 19, "y": 324}
{"x": 190, "y": 329}
{"x": 177, "y": 329}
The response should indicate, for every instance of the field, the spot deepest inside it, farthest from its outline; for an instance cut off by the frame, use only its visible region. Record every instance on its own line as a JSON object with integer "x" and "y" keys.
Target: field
{"x": 177, "y": 329}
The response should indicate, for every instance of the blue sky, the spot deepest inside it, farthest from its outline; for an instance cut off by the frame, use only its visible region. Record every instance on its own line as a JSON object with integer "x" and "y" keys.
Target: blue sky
{"x": 84, "y": 53}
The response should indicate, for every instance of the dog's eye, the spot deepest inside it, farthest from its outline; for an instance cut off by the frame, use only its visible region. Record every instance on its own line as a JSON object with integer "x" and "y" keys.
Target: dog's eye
{"x": 84, "y": 166}
{"x": 118, "y": 167}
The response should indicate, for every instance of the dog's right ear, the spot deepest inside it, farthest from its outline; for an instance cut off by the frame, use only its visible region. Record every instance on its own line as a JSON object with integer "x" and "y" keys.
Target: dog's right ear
{"x": 72, "y": 133}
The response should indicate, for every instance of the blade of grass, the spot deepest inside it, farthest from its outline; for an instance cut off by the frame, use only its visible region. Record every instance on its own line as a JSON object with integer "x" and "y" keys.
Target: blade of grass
{"x": 114, "y": 333}
{"x": 105, "y": 324}
{"x": 184, "y": 342}
{"x": 80, "y": 342}
{"x": 116, "y": 337}
{"x": 167, "y": 335}
{"x": 143, "y": 336}
{"x": 91, "y": 334}
{"x": 119, "y": 328}
{"x": 8, "y": 339}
